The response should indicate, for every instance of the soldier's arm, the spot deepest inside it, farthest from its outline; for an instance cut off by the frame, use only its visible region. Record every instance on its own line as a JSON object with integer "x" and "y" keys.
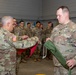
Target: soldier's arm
{"x": 26, "y": 43}
{"x": 9, "y": 41}
{"x": 72, "y": 62}
{"x": 19, "y": 38}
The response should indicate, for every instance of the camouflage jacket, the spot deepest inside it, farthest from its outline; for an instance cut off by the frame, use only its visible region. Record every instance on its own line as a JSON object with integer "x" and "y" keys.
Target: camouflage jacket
{"x": 64, "y": 37}
{"x": 29, "y": 32}
{"x": 48, "y": 32}
{"x": 8, "y": 49}
{"x": 37, "y": 32}
{"x": 19, "y": 31}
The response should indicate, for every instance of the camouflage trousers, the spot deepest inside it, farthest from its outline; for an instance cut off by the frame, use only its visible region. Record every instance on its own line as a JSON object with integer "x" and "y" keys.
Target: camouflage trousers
{"x": 8, "y": 73}
{"x": 63, "y": 71}
{"x": 37, "y": 52}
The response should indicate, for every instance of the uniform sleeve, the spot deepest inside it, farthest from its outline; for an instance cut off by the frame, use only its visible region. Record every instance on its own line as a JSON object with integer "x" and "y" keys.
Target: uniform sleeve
{"x": 26, "y": 43}
{"x": 73, "y": 36}
{"x": 53, "y": 32}
{"x": 75, "y": 59}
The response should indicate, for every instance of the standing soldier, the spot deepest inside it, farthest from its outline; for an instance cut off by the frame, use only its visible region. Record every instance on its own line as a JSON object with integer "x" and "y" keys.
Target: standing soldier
{"x": 8, "y": 45}
{"x": 37, "y": 32}
{"x": 48, "y": 31}
{"x": 29, "y": 32}
{"x": 64, "y": 38}
{"x": 42, "y": 52}
{"x": 20, "y": 32}
{"x": 17, "y": 30}
{"x": 15, "y": 26}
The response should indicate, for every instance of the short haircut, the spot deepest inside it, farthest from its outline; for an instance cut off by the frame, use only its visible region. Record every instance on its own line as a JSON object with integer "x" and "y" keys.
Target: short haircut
{"x": 21, "y": 21}
{"x": 28, "y": 23}
{"x": 14, "y": 18}
{"x": 49, "y": 22}
{"x": 64, "y": 8}
{"x": 37, "y": 22}
{"x": 6, "y": 19}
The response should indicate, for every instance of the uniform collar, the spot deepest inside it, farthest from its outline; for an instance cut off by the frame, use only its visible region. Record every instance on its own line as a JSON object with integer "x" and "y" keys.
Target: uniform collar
{"x": 4, "y": 30}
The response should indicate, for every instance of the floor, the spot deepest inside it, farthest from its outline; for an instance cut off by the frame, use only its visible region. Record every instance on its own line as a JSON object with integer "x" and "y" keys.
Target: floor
{"x": 43, "y": 67}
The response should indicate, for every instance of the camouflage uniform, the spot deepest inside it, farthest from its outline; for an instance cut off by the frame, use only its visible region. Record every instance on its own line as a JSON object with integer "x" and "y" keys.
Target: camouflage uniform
{"x": 37, "y": 32}
{"x": 8, "y": 51}
{"x": 48, "y": 31}
{"x": 19, "y": 31}
{"x": 64, "y": 38}
{"x": 29, "y": 32}
{"x": 16, "y": 30}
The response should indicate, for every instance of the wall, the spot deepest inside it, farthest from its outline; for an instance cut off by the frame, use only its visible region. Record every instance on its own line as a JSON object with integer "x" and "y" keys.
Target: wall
{"x": 50, "y": 6}
{"x": 44, "y": 10}
{"x": 25, "y": 9}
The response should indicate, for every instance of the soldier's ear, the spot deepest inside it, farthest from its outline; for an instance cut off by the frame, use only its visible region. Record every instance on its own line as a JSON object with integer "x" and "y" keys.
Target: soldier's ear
{"x": 8, "y": 24}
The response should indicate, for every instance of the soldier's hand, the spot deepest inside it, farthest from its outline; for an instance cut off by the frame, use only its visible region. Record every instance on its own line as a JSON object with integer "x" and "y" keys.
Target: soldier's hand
{"x": 48, "y": 39}
{"x": 39, "y": 42}
{"x": 24, "y": 37}
{"x": 71, "y": 63}
{"x": 14, "y": 38}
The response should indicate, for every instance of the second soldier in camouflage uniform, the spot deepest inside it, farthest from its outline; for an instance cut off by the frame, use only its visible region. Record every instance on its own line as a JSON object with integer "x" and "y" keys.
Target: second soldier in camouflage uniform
{"x": 64, "y": 38}
{"x": 37, "y": 32}
{"x": 8, "y": 45}
{"x": 29, "y": 33}
{"x": 48, "y": 31}
{"x": 20, "y": 31}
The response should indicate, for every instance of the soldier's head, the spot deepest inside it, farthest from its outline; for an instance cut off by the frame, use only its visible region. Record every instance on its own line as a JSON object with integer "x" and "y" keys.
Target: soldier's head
{"x": 21, "y": 23}
{"x": 38, "y": 24}
{"x": 63, "y": 14}
{"x": 7, "y": 23}
{"x": 28, "y": 24}
{"x": 41, "y": 26}
{"x": 15, "y": 21}
{"x": 50, "y": 24}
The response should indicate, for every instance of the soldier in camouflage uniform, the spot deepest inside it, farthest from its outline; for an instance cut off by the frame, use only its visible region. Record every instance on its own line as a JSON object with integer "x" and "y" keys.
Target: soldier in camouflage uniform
{"x": 8, "y": 46}
{"x": 64, "y": 38}
{"x": 16, "y": 31}
{"x": 29, "y": 30}
{"x": 15, "y": 26}
{"x": 20, "y": 30}
{"x": 29, "y": 33}
{"x": 48, "y": 31}
{"x": 37, "y": 32}
{"x": 42, "y": 52}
